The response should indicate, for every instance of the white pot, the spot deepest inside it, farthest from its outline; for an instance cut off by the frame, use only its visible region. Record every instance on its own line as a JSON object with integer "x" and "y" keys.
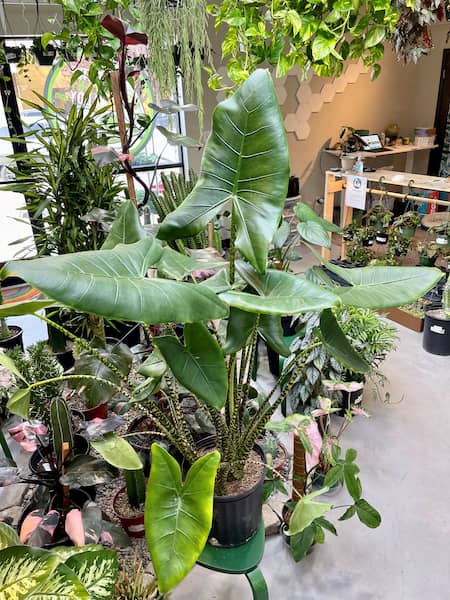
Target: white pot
{"x": 347, "y": 161}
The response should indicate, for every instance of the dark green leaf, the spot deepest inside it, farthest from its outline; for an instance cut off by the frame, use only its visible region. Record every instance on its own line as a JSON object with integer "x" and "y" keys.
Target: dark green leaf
{"x": 19, "y": 403}
{"x": 352, "y": 484}
{"x": 126, "y": 229}
{"x": 245, "y": 162}
{"x": 239, "y": 328}
{"x": 302, "y": 542}
{"x": 351, "y": 510}
{"x": 367, "y": 514}
{"x": 334, "y": 475}
{"x": 350, "y": 455}
{"x": 326, "y": 525}
{"x": 271, "y": 331}
{"x": 374, "y": 36}
{"x": 338, "y": 345}
{"x": 199, "y": 365}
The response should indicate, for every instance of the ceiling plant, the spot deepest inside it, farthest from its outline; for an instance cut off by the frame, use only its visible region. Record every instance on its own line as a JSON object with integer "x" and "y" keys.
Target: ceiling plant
{"x": 245, "y": 165}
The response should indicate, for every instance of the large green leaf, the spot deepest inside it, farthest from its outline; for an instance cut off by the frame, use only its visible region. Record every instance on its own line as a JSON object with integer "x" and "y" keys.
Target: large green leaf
{"x": 199, "y": 365}
{"x": 26, "y": 571}
{"x": 178, "y": 516}
{"x": 239, "y": 328}
{"x": 337, "y": 344}
{"x": 112, "y": 284}
{"x": 8, "y": 536}
{"x": 314, "y": 233}
{"x": 97, "y": 571}
{"x": 19, "y": 403}
{"x": 246, "y": 163}
{"x": 384, "y": 287}
{"x": 305, "y": 213}
{"x": 117, "y": 451}
{"x": 126, "y": 229}
{"x": 306, "y": 510}
{"x": 177, "y": 266}
{"x": 279, "y": 293}
{"x": 271, "y": 331}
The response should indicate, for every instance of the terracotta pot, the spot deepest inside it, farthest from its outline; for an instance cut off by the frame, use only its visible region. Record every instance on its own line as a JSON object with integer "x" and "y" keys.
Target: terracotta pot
{"x": 97, "y": 412}
{"x": 134, "y": 526}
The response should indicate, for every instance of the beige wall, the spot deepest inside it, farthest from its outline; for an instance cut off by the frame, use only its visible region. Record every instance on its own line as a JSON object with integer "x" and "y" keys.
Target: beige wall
{"x": 404, "y": 94}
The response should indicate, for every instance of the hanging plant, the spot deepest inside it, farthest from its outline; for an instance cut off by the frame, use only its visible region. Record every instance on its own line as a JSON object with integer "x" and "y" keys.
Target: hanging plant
{"x": 177, "y": 39}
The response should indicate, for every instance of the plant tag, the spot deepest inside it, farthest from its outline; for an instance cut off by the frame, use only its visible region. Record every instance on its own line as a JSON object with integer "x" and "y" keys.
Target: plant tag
{"x": 355, "y": 192}
{"x": 46, "y": 466}
{"x": 437, "y": 329}
{"x": 442, "y": 241}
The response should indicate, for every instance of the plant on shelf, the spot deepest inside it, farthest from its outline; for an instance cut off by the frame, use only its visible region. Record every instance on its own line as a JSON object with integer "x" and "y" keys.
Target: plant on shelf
{"x": 379, "y": 217}
{"x": 398, "y": 245}
{"x": 441, "y": 233}
{"x": 406, "y": 224}
{"x": 429, "y": 252}
{"x": 215, "y": 364}
{"x": 358, "y": 249}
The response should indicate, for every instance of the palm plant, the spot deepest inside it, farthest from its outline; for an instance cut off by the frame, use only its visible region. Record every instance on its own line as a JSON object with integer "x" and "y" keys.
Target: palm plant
{"x": 245, "y": 165}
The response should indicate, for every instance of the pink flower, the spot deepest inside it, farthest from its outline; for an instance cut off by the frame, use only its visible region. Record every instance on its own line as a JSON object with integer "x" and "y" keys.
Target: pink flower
{"x": 360, "y": 412}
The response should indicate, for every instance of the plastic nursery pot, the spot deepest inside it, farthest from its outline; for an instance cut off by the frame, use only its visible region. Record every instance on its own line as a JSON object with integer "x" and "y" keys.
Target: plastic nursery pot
{"x": 442, "y": 240}
{"x": 408, "y": 232}
{"x": 15, "y": 339}
{"x": 381, "y": 238}
{"x": 236, "y": 518}
{"x": 97, "y": 412}
{"x": 426, "y": 261}
{"x": 142, "y": 442}
{"x": 133, "y": 526}
{"x": 38, "y": 462}
{"x": 436, "y": 333}
{"x": 65, "y": 359}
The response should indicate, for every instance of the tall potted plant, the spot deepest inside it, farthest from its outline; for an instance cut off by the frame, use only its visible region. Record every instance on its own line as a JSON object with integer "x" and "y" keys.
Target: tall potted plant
{"x": 245, "y": 164}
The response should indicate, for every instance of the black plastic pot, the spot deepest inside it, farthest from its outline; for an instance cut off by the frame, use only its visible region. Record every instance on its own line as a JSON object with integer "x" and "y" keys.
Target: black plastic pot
{"x": 141, "y": 442}
{"x": 272, "y": 356}
{"x": 427, "y": 261}
{"x": 15, "y": 339}
{"x": 65, "y": 359}
{"x": 381, "y": 238}
{"x": 38, "y": 458}
{"x": 44, "y": 56}
{"x": 436, "y": 333}
{"x": 236, "y": 518}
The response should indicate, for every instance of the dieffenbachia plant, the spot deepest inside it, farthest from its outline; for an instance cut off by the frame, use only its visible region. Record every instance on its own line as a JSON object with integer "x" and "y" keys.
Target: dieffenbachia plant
{"x": 245, "y": 166}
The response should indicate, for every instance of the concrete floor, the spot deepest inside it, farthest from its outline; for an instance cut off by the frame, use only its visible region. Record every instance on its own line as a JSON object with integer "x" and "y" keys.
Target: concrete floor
{"x": 403, "y": 454}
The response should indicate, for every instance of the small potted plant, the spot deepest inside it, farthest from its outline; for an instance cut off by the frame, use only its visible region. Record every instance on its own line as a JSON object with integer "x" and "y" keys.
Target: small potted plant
{"x": 406, "y": 224}
{"x": 10, "y": 335}
{"x": 428, "y": 253}
{"x": 45, "y": 54}
{"x": 128, "y": 503}
{"x": 442, "y": 234}
{"x": 399, "y": 245}
{"x": 379, "y": 218}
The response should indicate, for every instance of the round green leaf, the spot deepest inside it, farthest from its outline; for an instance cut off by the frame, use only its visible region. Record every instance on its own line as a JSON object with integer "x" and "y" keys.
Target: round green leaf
{"x": 117, "y": 452}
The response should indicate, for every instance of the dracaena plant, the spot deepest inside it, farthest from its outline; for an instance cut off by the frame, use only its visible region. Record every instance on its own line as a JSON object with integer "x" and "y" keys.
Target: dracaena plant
{"x": 245, "y": 166}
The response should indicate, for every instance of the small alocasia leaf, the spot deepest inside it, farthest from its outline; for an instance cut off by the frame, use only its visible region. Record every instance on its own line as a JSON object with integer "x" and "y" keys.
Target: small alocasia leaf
{"x": 246, "y": 164}
{"x": 306, "y": 510}
{"x": 117, "y": 452}
{"x": 178, "y": 516}
{"x": 314, "y": 233}
{"x": 239, "y": 328}
{"x": 126, "y": 229}
{"x": 97, "y": 571}
{"x": 367, "y": 514}
{"x": 19, "y": 403}
{"x": 384, "y": 287}
{"x": 271, "y": 331}
{"x": 337, "y": 344}
{"x": 305, "y": 213}
{"x": 8, "y": 536}
{"x": 199, "y": 365}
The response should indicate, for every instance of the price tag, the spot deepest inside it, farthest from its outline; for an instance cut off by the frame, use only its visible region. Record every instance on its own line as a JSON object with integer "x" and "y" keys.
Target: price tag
{"x": 355, "y": 192}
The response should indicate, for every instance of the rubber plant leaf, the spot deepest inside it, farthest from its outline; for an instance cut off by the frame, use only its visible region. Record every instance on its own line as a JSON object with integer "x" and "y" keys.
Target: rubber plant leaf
{"x": 27, "y": 572}
{"x": 199, "y": 365}
{"x": 306, "y": 510}
{"x": 117, "y": 452}
{"x": 8, "y": 536}
{"x": 126, "y": 229}
{"x": 337, "y": 344}
{"x": 279, "y": 293}
{"x": 305, "y": 213}
{"x": 384, "y": 287}
{"x": 112, "y": 284}
{"x": 246, "y": 164}
{"x": 123, "y": 31}
{"x": 178, "y": 515}
{"x": 97, "y": 571}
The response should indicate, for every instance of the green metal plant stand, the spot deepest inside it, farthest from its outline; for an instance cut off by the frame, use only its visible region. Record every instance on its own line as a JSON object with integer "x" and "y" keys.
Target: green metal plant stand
{"x": 240, "y": 560}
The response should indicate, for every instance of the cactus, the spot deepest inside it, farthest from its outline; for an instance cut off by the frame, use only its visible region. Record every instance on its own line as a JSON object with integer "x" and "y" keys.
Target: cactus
{"x": 135, "y": 487}
{"x": 62, "y": 430}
